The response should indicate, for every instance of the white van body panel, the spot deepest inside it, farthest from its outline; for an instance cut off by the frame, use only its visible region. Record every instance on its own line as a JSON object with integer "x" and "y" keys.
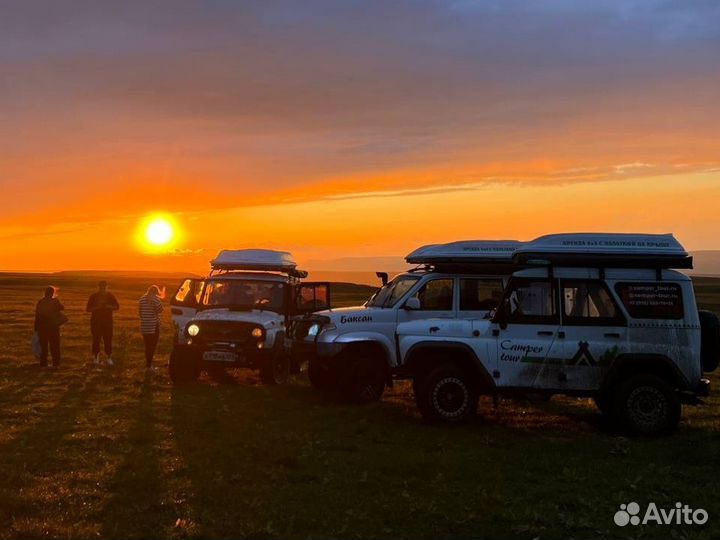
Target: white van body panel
{"x": 571, "y": 357}
{"x": 376, "y": 324}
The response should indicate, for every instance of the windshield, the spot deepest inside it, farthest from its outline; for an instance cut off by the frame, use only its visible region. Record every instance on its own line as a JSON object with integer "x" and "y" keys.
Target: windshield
{"x": 245, "y": 294}
{"x": 393, "y": 291}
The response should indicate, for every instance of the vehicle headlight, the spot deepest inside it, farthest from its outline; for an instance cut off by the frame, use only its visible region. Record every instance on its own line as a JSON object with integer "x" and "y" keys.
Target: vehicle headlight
{"x": 319, "y": 328}
{"x": 256, "y": 332}
{"x": 193, "y": 330}
{"x": 313, "y": 330}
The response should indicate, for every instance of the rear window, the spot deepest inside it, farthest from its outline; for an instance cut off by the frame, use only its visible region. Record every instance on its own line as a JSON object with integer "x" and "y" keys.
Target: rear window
{"x": 651, "y": 300}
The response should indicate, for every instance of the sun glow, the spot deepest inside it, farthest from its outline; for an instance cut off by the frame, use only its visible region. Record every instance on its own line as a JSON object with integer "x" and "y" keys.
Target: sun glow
{"x": 157, "y": 233}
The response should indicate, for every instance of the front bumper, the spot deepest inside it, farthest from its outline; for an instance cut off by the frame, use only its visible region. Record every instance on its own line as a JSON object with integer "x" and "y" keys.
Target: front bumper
{"x": 703, "y": 388}
{"x": 224, "y": 354}
{"x": 692, "y": 396}
{"x": 306, "y": 350}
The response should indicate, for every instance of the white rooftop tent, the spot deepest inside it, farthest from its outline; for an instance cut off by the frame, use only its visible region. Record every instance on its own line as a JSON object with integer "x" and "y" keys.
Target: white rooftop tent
{"x": 263, "y": 260}
{"x": 606, "y": 249}
{"x": 465, "y": 252}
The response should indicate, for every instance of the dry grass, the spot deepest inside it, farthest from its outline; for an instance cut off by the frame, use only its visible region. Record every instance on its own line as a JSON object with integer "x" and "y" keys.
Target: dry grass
{"x": 118, "y": 454}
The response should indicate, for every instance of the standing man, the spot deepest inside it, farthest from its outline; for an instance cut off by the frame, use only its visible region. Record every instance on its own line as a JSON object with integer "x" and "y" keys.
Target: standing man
{"x": 101, "y": 306}
{"x": 49, "y": 317}
{"x": 150, "y": 307}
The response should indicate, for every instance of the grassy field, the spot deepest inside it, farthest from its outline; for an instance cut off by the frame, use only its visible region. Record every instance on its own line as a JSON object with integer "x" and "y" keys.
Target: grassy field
{"x": 116, "y": 453}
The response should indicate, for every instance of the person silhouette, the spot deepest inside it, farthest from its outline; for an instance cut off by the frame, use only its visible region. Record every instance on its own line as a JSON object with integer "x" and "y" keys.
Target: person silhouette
{"x": 49, "y": 317}
{"x": 101, "y": 305}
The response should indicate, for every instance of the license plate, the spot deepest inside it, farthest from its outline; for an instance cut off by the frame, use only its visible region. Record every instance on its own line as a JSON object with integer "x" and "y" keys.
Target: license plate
{"x": 219, "y": 356}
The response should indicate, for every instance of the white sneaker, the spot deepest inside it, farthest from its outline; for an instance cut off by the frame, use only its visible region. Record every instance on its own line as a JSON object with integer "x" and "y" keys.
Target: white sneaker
{"x": 96, "y": 360}
{"x": 109, "y": 362}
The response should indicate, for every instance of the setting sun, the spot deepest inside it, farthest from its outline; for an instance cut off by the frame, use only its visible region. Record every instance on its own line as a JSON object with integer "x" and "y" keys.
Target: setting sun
{"x": 159, "y": 232}
{"x": 156, "y": 233}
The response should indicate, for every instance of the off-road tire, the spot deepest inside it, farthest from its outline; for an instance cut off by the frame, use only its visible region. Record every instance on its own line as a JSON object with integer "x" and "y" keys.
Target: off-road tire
{"x": 369, "y": 378}
{"x": 645, "y": 404}
{"x": 446, "y": 394}
{"x": 320, "y": 376}
{"x": 275, "y": 369}
{"x": 183, "y": 366}
{"x": 361, "y": 376}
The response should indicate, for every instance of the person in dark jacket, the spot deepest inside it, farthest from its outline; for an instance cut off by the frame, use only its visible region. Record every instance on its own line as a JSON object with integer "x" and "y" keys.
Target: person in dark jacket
{"x": 101, "y": 305}
{"x": 48, "y": 318}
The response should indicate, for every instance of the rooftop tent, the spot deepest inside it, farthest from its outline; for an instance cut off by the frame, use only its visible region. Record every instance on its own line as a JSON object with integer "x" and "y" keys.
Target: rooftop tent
{"x": 466, "y": 254}
{"x": 605, "y": 249}
{"x": 265, "y": 260}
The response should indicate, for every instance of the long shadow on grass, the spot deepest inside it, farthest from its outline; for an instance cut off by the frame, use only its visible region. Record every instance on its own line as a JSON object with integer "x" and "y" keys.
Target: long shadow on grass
{"x": 236, "y": 442}
{"x": 25, "y": 459}
{"x": 26, "y": 378}
{"x": 134, "y": 511}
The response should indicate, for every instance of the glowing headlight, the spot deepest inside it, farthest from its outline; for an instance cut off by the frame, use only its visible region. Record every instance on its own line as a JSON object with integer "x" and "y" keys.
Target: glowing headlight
{"x": 313, "y": 330}
{"x": 256, "y": 332}
{"x": 193, "y": 330}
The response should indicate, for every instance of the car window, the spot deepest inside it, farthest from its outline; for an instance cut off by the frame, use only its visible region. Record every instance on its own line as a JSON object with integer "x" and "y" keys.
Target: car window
{"x": 199, "y": 291}
{"x": 651, "y": 300}
{"x": 436, "y": 295}
{"x": 391, "y": 292}
{"x": 480, "y": 294}
{"x": 531, "y": 302}
{"x": 183, "y": 290}
{"x": 588, "y": 303}
{"x": 244, "y": 294}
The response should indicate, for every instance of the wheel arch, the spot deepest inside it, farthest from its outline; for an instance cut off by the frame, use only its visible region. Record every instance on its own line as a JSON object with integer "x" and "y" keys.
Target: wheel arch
{"x": 365, "y": 340}
{"x": 422, "y": 356}
{"x": 630, "y": 364}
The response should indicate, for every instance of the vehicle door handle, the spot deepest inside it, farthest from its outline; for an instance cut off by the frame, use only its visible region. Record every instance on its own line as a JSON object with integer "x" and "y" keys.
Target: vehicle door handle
{"x": 434, "y": 329}
{"x": 545, "y": 333}
{"x": 612, "y": 334}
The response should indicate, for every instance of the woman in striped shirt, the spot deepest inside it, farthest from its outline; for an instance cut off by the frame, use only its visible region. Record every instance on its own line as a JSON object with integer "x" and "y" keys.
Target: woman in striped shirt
{"x": 150, "y": 307}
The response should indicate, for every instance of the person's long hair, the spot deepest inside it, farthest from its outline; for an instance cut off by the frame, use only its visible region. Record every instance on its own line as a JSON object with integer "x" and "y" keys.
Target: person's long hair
{"x": 154, "y": 290}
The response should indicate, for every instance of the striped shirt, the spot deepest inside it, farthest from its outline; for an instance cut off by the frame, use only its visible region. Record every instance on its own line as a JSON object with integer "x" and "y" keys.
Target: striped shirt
{"x": 150, "y": 310}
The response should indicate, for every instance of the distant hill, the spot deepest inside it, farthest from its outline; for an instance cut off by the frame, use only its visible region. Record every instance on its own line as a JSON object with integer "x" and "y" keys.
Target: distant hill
{"x": 706, "y": 263}
{"x": 123, "y": 273}
{"x": 362, "y": 269}
{"x": 345, "y": 271}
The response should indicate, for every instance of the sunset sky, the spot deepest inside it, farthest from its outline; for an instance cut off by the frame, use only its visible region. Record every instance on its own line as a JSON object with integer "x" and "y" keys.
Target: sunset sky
{"x": 351, "y": 128}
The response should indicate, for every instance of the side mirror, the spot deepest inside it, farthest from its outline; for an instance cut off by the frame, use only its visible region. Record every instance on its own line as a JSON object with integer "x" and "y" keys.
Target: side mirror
{"x": 412, "y": 304}
{"x": 501, "y": 314}
{"x": 383, "y": 277}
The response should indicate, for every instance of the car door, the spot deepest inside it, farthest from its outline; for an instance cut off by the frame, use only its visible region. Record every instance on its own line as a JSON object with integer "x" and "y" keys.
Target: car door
{"x": 435, "y": 298}
{"x": 478, "y": 296}
{"x": 184, "y": 303}
{"x": 525, "y": 328}
{"x": 311, "y": 296}
{"x": 593, "y": 333}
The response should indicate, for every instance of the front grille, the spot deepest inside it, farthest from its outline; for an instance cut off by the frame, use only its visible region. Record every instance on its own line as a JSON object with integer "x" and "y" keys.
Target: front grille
{"x": 238, "y": 332}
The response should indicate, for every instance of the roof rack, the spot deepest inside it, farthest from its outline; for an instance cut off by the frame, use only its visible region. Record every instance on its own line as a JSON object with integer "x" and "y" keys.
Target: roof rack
{"x": 262, "y": 260}
{"x": 608, "y": 250}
